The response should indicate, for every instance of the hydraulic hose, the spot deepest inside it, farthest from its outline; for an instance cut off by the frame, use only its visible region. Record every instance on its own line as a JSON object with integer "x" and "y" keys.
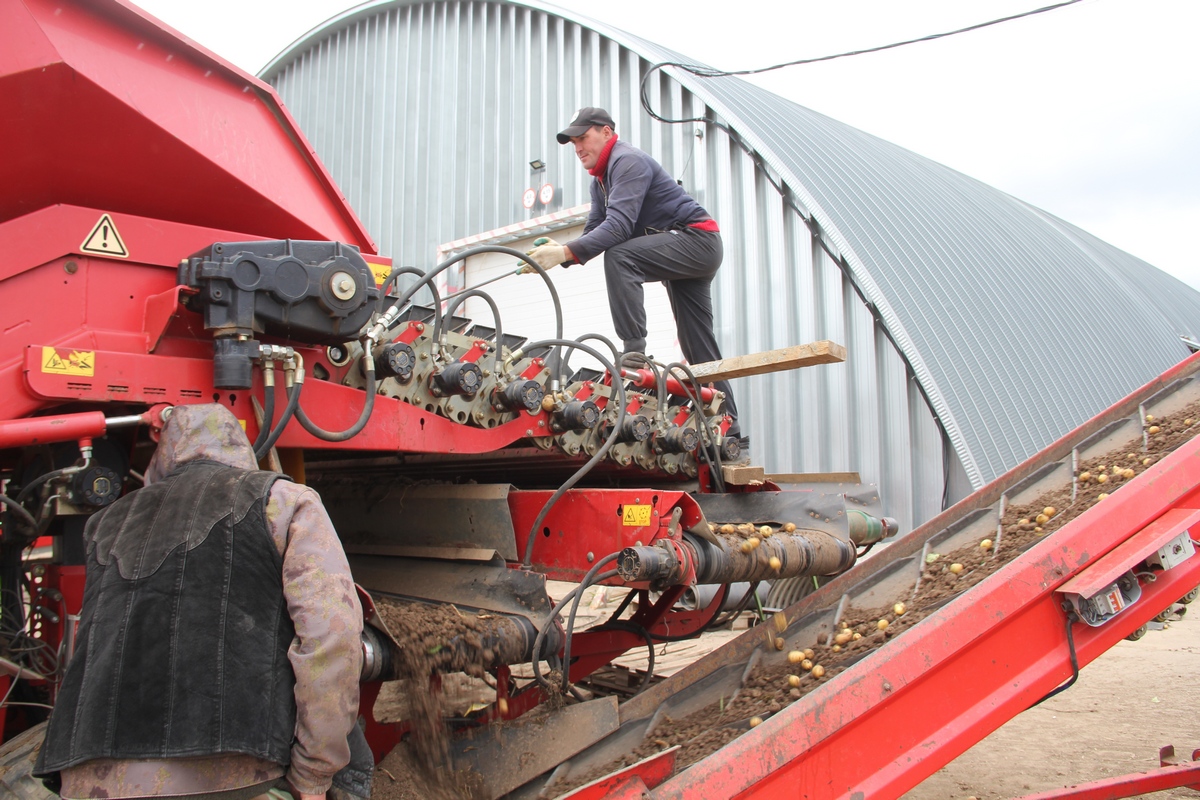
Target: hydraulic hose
{"x": 588, "y": 579}
{"x": 356, "y": 428}
{"x": 293, "y": 403}
{"x": 268, "y": 418}
{"x": 713, "y": 455}
{"x": 19, "y": 511}
{"x": 571, "y": 595}
{"x": 586, "y": 468}
{"x": 403, "y": 299}
{"x": 461, "y": 297}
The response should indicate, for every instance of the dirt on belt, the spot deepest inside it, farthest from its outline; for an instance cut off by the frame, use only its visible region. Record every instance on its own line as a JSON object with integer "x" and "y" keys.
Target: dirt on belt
{"x": 432, "y": 639}
{"x": 770, "y": 689}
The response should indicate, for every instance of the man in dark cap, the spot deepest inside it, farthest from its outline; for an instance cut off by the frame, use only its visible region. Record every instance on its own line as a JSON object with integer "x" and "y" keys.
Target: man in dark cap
{"x": 649, "y": 229}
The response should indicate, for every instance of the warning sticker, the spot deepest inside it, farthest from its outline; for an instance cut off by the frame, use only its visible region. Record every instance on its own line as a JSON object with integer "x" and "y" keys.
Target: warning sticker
{"x": 104, "y": 240}
{"x": 636, "y": 516}
{"x": 380, "y": 271}
{"x": 77, "y": 362}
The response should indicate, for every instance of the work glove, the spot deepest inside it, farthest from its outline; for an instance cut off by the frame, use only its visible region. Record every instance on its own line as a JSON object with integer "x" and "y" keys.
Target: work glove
{"x": 547, "y": 256}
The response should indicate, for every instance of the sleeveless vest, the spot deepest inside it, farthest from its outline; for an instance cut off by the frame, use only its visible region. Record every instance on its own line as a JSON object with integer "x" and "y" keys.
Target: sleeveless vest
{"x": 183, "y": 640}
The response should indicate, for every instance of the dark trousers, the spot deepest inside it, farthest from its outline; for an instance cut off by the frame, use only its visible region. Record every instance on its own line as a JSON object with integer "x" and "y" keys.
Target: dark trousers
{"x": 686, "y": 262}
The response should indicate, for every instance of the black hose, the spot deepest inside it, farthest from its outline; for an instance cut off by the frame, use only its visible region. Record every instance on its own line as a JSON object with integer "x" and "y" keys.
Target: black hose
{"x": 396, "y": 273}
{"x": 588, "y": 578}
{"x": 26, "y": 491}
{"x": 586, "y": 468}
{"x": 268, "y": 419}
{"x": 600, "y": 338}
{"x": 489, "y": 248}
{"x": 540, "y": 641}
{"x": 293, "y": 403}
{"x": 19, "y": 511}
{"x": 356, "y": 428}
{"x": 633, "y": 627}
{"x": 697, "y": 407}
{"x": 458, "y": 300}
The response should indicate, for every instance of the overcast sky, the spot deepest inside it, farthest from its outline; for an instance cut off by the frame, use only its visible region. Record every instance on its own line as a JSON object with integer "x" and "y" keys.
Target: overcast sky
{"x": 1091, "y": 112}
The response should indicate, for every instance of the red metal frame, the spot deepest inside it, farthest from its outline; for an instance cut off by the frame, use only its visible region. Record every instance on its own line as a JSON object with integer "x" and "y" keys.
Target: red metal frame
{"x": 1171, "y": 774}
{"x": 185, "y": 135}
{"x": 879, "y": 728}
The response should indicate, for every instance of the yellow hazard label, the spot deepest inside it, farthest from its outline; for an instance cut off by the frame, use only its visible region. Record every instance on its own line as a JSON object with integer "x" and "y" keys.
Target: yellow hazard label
{"x": 636, "y": 516}
{"x": 104, "y": 240}
{"x": 380, "y": 271}
{"x": 76, "y": 362}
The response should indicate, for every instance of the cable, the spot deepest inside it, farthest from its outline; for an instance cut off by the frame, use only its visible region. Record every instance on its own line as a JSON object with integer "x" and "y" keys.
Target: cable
{"x": 1071, "y": 620}
{"x": 708, "y": 72}
{"x": 586, "y": 468}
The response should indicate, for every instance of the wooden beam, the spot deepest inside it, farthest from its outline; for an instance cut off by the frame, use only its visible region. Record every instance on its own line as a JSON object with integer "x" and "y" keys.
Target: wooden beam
{"x": 742, "y": 474}
{"x": 816, "y": 477}
{"x": 785, "y": 358}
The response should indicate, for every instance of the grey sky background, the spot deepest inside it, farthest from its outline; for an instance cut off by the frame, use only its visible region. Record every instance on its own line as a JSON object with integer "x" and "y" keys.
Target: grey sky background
{"x": 1090, "y": 112}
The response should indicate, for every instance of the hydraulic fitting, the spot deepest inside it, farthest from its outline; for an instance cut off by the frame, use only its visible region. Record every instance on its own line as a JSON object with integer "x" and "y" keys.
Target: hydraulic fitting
{"x": 577, "y": 415}
{"x": 677, "y": 439}
{"x": 520, "y": 395}
{"x": 457, "y": 378}
{"x": 396, "y": 360}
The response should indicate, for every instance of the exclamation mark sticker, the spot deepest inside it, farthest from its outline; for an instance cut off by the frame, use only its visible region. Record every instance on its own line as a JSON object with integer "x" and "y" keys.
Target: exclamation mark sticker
{"x": 104, "y": 239}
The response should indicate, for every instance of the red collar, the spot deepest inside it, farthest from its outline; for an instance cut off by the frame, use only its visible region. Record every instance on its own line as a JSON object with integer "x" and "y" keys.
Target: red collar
{"x": 602, "y": 162}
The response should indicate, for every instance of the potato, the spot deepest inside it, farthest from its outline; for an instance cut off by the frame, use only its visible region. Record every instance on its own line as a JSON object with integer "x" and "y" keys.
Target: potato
{"x": 755, "y": 722}
{"x": 985, "y": 545}
{"x": 1049, "y": 511}
{"x": 788, "y": 527}
{"x": 1153, "y": 429}
{"x": 775, "y": 563}
{"x": 898, "y": 609}
{"x": 796, "y": 656}
{"x": 794, "y": 681}
{"x": 806, "y": 665}
{"x": 956, "y": 568}
{"x": 882, "y": 624}
{"x": 818, "y": 671}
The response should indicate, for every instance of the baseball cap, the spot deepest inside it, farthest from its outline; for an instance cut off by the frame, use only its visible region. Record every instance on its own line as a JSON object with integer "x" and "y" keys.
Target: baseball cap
{"x": 585, "y": 118}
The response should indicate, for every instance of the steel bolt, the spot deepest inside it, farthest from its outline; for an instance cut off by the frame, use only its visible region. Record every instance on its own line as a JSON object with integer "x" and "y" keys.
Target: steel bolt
{"x": 591, "y": 556}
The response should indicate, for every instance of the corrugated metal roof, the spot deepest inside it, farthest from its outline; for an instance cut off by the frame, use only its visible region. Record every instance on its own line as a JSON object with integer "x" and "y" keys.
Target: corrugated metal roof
{"x": 962, "y": 308}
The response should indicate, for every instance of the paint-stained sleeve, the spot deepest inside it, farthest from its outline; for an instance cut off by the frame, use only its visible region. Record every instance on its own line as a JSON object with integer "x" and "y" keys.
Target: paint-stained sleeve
{"x": 326, "y": 654}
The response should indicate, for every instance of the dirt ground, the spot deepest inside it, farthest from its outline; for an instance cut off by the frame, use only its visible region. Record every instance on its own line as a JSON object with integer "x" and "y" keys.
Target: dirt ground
{"x": 1132, "y": 700}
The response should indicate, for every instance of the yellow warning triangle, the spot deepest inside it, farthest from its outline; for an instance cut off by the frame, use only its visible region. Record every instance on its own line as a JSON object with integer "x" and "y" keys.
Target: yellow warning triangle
{"x": 104, "y": 240}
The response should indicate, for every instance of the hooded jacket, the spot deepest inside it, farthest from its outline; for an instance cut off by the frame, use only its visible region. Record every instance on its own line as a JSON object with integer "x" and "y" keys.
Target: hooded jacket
{"x": 298, "y": 564}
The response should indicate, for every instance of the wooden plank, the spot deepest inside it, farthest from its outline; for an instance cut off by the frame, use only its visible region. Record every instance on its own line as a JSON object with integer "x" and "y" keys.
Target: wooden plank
{"x": 742, "y": 474}
{"x": 816, "y": 477}
{"x": 785, "y": 358}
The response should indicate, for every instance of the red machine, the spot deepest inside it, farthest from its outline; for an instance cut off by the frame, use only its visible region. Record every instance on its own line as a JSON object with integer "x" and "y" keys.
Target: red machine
{"x": 170, "y": 238}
